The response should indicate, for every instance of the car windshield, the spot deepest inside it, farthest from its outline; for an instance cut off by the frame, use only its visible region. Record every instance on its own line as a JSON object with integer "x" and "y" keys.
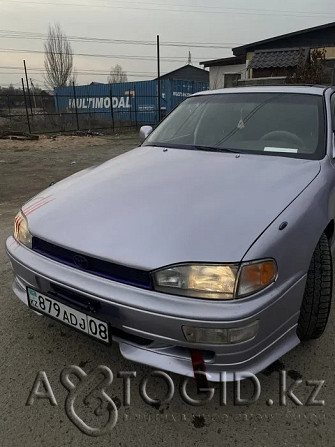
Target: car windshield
{"x": 286, "y": 124}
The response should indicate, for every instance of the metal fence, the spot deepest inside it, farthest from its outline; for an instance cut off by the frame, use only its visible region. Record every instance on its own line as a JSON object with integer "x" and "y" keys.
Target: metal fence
{"x": 95, "y": 107}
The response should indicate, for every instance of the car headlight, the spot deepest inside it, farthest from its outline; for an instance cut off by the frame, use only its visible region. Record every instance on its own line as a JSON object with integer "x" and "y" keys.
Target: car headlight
{"x": 255, "y": 276}
{"x": 21, "y": 231}
{"x": 215, "y": 281}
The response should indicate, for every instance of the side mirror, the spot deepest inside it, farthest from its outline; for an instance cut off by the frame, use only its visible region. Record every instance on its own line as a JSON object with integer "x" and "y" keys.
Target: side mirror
{"x": 145, "y": 131}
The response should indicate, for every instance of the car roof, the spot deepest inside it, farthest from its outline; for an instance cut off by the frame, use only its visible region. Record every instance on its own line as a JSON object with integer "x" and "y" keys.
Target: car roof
{"x": 303, "y": 89}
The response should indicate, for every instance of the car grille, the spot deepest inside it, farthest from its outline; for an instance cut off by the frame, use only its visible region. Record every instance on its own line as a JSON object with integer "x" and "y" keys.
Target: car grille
{"x": 89, "y": 264}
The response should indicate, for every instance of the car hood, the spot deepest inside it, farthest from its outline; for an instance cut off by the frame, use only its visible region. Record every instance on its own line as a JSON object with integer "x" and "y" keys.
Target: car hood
{"x": 153, "y": 207}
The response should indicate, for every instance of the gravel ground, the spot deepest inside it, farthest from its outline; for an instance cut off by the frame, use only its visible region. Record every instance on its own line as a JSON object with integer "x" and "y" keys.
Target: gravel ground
{"x": 30, "y": 344}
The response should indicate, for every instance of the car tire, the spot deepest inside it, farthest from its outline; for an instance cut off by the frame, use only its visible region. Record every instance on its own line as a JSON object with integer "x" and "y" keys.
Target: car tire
{"x": 315, "y": 307}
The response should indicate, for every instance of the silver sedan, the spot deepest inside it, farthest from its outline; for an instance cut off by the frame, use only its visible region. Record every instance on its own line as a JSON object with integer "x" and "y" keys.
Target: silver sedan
{"x": 207, "y": 248}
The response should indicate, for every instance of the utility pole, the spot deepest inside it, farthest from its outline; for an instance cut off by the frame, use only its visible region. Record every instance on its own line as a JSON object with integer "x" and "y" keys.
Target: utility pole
{"x": 25, "y": 103}
{"x": 28, "y": 90}
{"x": 158, "y": 80}
{"x": 76, "y": 105}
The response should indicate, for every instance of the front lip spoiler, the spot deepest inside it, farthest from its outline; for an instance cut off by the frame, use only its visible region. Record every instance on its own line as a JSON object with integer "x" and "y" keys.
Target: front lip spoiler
{"x": 216, "y": 372}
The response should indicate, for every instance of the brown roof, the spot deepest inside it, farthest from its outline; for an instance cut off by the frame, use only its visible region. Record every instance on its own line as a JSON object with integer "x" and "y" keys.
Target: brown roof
{"x": 289, "y": 57}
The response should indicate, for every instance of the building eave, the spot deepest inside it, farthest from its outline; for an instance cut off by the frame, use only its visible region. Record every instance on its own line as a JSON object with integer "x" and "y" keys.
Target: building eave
{"x": 243, "y": 49}
{"x": 234, "y": 60}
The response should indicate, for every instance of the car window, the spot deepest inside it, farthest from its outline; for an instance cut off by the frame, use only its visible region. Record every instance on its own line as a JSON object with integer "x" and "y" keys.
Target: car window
{"x": 332, "y": 107}
{"x": 288, "y": 124}
{"x": 181, "y": 126}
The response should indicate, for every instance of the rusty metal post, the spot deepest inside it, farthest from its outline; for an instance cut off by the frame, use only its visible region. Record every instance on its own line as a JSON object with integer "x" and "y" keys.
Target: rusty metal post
{"x": 25, "y": 102}
{"x": 75, "y": 103}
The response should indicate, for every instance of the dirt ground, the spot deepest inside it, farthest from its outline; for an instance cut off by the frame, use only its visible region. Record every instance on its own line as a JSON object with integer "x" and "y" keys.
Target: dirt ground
{"x": 29, "y": 344}
{"x": 37, "y": 163}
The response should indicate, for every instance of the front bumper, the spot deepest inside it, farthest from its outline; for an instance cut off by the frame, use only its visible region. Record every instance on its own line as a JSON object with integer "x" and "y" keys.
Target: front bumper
{"x": 149, "y": 324}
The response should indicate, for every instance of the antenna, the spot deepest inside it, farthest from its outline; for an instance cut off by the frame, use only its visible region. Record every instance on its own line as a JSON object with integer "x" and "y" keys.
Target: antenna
{"x": 189, "y": 61}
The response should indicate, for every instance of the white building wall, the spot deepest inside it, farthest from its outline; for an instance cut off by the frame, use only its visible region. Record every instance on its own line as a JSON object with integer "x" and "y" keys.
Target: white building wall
{"x": 216, "y": 74}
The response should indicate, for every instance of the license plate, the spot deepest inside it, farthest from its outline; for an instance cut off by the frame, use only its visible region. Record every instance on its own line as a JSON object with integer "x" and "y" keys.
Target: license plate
{"x": 79, "y": 320}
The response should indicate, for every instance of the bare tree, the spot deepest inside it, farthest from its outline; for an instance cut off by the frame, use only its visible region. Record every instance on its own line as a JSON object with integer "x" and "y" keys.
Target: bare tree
{"x": 117, "y": 75}
{"x": 310, "y": 70}
{"x": 58, "y": 58}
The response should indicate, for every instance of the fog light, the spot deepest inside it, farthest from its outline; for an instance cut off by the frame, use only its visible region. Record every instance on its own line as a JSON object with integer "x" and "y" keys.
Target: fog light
{"x": 239, "y": 334}
{"x": 205, "y": 335}
{"x": 220, "y": 336}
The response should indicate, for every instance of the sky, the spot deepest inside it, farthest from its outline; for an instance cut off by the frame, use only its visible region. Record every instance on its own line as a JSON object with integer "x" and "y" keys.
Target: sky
{"x": 206, "y": 28}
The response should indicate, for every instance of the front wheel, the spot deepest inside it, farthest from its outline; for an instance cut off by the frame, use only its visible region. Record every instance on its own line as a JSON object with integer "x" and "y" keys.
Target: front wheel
{"x": 315, "y": 307}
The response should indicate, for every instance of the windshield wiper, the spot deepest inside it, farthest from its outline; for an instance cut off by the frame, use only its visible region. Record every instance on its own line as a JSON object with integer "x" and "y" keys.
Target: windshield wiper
{"x": 215, "y": 149}
{"x": 155, "y": 144}
{"x": 189, "y": 146}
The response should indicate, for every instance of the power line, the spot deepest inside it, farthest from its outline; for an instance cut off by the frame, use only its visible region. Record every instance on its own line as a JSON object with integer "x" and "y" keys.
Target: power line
{"x": 205, "y": 7}
{"x": 81, "y": 71}
{"x": 235, "y": 11}
{"x": 103, "y": 56}
{"x": 8, "y": 34}
{"x": 104, "y": 73}
{"x": 225, "y": 10}
{"x": 95, "y": 74}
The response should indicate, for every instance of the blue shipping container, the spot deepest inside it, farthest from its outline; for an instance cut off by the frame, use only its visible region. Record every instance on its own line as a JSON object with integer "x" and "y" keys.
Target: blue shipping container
{"x": 130, "y": 101}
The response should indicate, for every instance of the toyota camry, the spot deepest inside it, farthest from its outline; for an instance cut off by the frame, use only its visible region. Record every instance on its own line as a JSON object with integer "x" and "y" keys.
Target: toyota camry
{"x": 206, "y": 248}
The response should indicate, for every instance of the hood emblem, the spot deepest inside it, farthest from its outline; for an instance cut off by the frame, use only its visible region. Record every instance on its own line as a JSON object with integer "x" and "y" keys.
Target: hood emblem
{"x": 80, "y": 261}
